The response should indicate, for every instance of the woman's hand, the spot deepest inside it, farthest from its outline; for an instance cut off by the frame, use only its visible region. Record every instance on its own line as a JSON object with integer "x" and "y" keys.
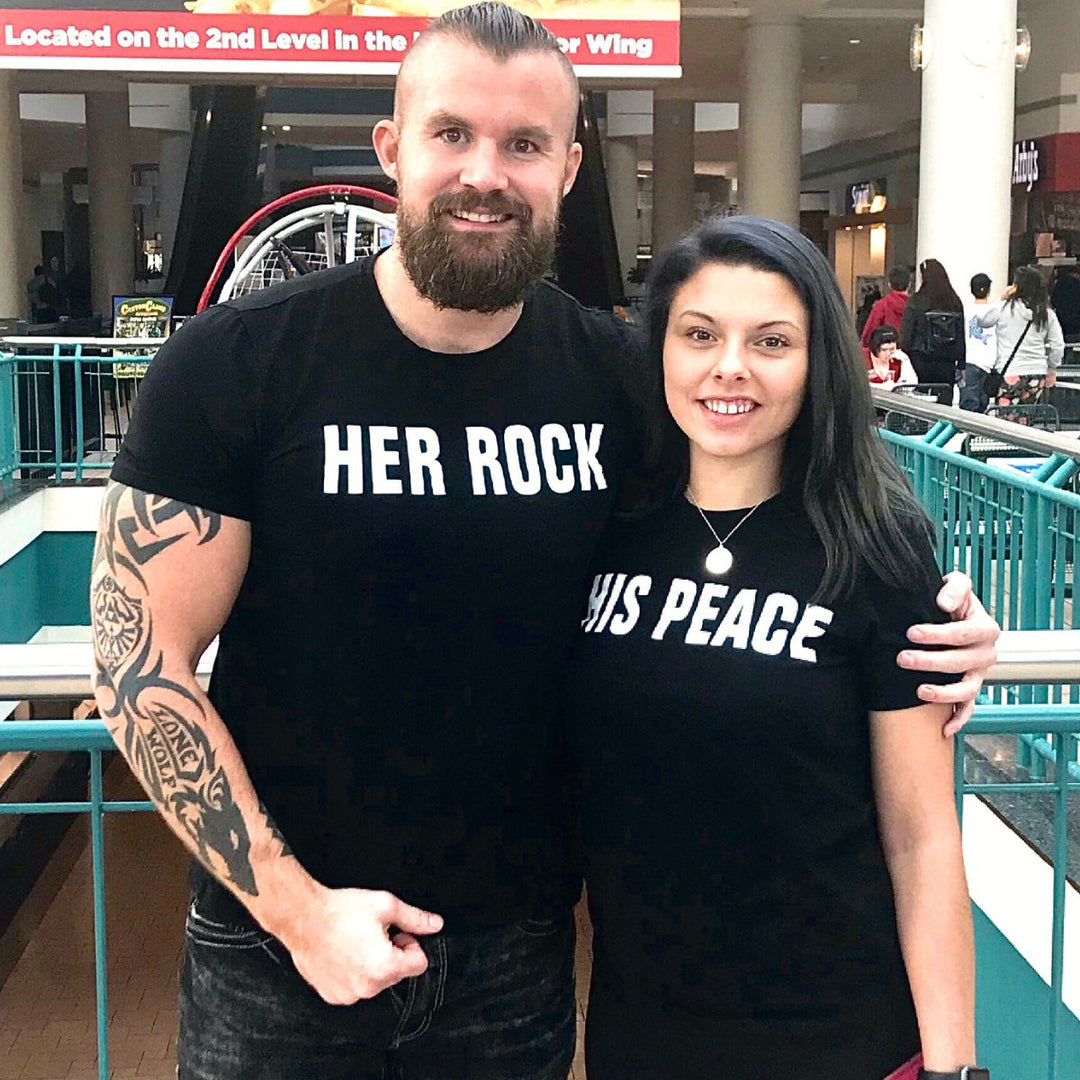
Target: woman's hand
{"x": 1009, "y": 293}
{"x": 1051, "y": 379}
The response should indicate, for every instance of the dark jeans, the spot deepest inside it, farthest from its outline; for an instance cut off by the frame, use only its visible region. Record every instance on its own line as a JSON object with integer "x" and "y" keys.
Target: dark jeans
{"x": 494, "y": 1004}
{"x": 972, "y": 396}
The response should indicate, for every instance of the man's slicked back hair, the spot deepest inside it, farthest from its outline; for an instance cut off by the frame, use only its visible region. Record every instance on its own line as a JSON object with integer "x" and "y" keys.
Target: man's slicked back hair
{"x": 497, "y": 29}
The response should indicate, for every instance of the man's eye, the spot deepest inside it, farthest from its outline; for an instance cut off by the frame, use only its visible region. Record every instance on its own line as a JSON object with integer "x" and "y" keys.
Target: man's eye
{"x": 524, "y": 146}
{"x": 452, "y": 135}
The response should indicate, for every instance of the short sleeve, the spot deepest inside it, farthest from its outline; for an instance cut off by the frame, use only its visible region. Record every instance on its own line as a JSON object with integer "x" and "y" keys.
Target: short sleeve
{"x": 193, "y": 432}
{"x": 888, "y": 612}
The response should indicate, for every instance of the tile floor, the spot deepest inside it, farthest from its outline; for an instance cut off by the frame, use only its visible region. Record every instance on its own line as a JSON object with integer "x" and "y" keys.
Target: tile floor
{"x": 47, "y": 1018}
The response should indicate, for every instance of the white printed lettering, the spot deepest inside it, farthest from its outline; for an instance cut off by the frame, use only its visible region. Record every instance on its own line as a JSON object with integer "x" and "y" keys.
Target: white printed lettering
{"x": 596, "y": 598}
{"x": 811, "y": 625}
{"x": 351, "y": 458}
{"x": 737, "y": 621}
{"x": 383, "y": 459}
{"x": 484, "y": 456}
{"x": 679, "y": 602}
{"x": 422, "y": 448}
{"x": 613, "y": 599}
{"x": 559, "y": 478}
{"x": 588, "y": 446}
{"x": 706, "y": 610}
{"x": 521, "y": 461}
{"x": 636, "y": 587}
{"x": 601, "y": 585}
{"x": 778, "y": 606}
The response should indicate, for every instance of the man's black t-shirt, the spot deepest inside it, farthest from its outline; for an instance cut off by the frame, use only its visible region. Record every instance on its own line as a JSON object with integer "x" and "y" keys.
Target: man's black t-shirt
{"x": 421, "y": 529}
{"x": 733, "y": 864}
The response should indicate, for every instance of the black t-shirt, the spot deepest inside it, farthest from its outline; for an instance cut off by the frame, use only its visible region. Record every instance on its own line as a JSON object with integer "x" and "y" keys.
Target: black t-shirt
{"x": 732, "y": 858}
{"x": 422, "y": 525}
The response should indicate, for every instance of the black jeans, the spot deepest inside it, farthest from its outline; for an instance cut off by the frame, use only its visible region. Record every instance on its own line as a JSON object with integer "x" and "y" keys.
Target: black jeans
{"x": 494, "y": 1004}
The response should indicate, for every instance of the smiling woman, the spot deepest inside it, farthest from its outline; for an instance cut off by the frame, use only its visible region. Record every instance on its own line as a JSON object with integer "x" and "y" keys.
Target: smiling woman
{"x": 815, "y": 924}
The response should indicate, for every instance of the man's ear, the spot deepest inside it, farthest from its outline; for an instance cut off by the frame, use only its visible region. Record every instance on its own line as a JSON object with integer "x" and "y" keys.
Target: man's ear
{"x": 573, "y": 163}
{"x": 386, "y": 139}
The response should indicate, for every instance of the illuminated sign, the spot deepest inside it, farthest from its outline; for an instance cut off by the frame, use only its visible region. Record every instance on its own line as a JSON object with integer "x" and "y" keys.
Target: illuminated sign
{"x": 1026, "y": 163}
{"x": 866, "y": 197}
{"x": 350, "y": 37}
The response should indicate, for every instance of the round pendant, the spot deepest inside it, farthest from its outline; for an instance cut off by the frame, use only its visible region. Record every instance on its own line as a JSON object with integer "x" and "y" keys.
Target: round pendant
{"x": 718, "y": 561}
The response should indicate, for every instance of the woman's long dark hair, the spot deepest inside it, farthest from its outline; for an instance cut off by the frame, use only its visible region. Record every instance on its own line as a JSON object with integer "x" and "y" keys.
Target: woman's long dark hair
{"x": 858, "y": 500}
{"x": 1031, "y": 290}
{"x": 936, "y": 289}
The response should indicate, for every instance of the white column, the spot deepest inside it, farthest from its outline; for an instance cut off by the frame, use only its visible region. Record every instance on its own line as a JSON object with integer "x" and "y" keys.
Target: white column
{"x": 112, "y": 225}
{"x": 172, "y": 173}
{"x": 770, "y": 117}
{"x": 622, "y": 166}
{"x": 968, "y": 93}
{"x": 673, "y": 171}
{"x": 13, "y": 272}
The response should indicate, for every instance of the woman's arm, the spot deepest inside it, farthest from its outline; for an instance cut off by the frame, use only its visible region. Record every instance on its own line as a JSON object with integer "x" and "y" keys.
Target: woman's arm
{"x": 1055, "y": 341}
{"x": 990, "y": 315}
{"x": 907, "y": 372}
{"x": 920, "y": 834}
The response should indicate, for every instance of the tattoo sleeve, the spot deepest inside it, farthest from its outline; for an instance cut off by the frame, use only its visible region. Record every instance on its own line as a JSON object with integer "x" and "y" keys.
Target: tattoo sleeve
{"x": 159, "y": 724}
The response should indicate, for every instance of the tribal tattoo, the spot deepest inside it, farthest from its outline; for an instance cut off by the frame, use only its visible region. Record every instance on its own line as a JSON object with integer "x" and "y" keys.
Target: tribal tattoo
{"x": 157, "y": 722}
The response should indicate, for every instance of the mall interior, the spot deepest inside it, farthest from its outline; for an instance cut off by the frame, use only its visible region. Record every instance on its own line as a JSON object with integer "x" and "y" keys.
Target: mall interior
{"x": 888, "y": 132}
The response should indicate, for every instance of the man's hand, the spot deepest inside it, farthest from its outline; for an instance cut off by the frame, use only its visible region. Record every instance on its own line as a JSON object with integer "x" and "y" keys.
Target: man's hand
{"x": 1051, "y": 378}
{"x": 351, "y": 944}
{"x": 970, "y": 642}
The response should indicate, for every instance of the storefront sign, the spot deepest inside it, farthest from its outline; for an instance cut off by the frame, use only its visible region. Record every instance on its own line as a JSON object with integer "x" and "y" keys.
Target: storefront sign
{"x": 139, "y": 317}
{"x": 1026, "y": 163}
{"x": 601, "y": 37}
{"x": 866, "y": 197}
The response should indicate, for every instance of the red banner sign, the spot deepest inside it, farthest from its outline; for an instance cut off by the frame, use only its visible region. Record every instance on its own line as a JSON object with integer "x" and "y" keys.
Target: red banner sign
{"x": 372, "y": 44}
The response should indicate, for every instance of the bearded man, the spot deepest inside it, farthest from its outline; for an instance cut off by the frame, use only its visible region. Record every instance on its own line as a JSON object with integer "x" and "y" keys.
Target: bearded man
{"x": 381, "y": 485}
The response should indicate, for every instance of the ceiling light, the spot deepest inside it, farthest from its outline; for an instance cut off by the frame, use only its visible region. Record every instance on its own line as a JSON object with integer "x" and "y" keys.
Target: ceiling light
{"x": 286, "y": 127}
{"x": 919, "y": 48}
{"x": 855, "y": 41}
{"x": 1023, "y": 47}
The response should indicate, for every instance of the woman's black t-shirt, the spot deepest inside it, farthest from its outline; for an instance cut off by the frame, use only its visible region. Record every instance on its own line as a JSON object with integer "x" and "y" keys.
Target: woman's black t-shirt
{"x": 733, "y": 864}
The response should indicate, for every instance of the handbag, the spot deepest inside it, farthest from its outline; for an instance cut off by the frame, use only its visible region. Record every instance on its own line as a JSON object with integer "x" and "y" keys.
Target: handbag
{"x": 993, "y": 380}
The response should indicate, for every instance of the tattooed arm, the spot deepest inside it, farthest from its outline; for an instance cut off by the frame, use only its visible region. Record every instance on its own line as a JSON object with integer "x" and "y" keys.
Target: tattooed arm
{"x": 164, "y": 578}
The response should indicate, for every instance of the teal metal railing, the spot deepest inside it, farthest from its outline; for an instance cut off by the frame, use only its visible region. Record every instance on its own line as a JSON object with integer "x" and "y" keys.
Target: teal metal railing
{"x": 49, "y": 387}
{"x": 92, "y": 737}
{"x": 1055, "y": 723}
{"x": 1014, "y": 533}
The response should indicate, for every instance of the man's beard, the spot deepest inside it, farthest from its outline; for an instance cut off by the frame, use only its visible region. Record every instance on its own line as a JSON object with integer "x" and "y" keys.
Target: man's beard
{"x": 475, "y": 271}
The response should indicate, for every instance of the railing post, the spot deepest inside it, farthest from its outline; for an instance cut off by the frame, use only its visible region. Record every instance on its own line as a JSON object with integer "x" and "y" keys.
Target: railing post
{"x": 9, "y": 421}
{"x": 58, "y": 426}
{"x": 1063, "y": 743}
{"x": 80, "y": 439}
{"x": 97, "y": 852}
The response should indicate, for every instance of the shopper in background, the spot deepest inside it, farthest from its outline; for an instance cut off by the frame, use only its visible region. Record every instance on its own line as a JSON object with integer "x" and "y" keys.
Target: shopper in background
{"x": 1065, "y": 300}
{"x": 981, "y": 346}
{"x": 1030, "y": 344}
{"x": 889, "y": 310}
{"x": 888, "y": 366}
{"x": 932, "y": 330}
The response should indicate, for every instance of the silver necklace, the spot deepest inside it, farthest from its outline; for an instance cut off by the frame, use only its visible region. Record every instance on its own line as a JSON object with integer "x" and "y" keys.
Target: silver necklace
{"x": 720, "y": 560}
